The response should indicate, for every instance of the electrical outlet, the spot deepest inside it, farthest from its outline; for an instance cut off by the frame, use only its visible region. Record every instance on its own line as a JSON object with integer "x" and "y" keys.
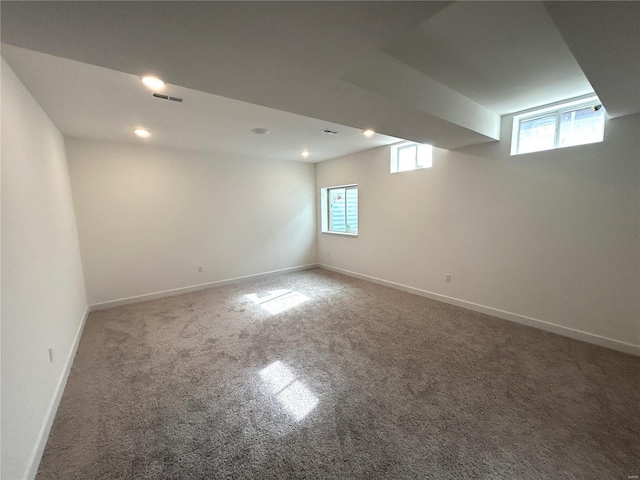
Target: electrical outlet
{"x": 51, "y": 354}
{"x": 447, "y": 277}
{"x": 200, "y": 268}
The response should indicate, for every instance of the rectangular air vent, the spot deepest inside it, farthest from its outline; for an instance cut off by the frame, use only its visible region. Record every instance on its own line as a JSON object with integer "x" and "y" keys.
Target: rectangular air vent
{"x": 167, "y": 97}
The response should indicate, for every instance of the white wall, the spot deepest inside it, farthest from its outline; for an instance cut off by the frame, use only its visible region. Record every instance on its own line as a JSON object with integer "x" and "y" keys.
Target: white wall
{"x": 148, "y": 217}
{"x": 553, "y": 236}
{"x": 43, "y": 297}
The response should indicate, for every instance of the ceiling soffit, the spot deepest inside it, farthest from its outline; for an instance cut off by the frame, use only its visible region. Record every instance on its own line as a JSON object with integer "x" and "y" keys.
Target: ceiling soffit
{"x": 434, "y": 72}
{"x": 507, "y": 56}
{"x": 289, "y": 56}
{"x": 604, "y": 37}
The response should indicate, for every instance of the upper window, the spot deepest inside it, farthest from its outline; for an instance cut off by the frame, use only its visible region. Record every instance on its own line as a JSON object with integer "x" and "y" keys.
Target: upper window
{"x": 410, "y": 156}
{"x": 340, "y": 209}
{"x": 566, "y": 125}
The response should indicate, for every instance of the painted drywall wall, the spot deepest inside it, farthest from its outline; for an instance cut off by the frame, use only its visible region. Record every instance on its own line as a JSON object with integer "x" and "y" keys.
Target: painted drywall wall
{"x": 148, "y": 217}
{"x": 553, "y": 236}
{"x": 43, "y": 296}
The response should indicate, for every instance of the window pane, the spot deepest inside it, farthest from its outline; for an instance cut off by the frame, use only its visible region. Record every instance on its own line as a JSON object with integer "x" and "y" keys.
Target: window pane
{"x": 337, "y": 208}
{"x": 425, "y": 156}
{"x": 537, "y": 134}
{"x": 407, "y": 158}
{"x": 352, "y": 210}
{"x": 581, "y": 126}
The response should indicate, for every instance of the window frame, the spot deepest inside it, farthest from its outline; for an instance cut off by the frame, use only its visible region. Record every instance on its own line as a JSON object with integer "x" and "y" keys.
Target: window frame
{"x": 423, "y": 156}
{"x": 325, "y": 206}
{"x": 556, "y": 110}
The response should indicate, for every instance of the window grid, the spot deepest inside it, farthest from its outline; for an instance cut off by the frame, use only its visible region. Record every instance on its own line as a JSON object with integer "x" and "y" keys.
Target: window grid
{"x": 410, "y": 156}
{"x": 349, "y": 216}
{"x": 572, "y": 108}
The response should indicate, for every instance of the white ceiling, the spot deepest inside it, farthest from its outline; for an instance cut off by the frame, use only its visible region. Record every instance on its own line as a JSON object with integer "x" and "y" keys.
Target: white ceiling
{"x": 435, "y": 72}
{"x": 87, "y": 101}
{"x": 604, "y": 37}
{"x": 507, "y": 56}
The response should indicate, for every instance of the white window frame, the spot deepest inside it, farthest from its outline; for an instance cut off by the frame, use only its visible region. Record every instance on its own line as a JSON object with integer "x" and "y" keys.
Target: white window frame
{"x": 325, "y": 209}
{"x": 423, "y": 156}
{"x": 558, "y": 110}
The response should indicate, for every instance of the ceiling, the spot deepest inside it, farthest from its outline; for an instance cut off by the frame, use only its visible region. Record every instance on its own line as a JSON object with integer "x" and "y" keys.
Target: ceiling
{"x": 507, "y": 70}
{"x": 434, "y": 72}
{"x": 88, "y": 101}
{"x": 604, "y": 37}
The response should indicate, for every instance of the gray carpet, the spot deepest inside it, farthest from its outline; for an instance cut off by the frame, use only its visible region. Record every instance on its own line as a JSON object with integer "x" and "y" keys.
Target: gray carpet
{"x": 321, "y": 376}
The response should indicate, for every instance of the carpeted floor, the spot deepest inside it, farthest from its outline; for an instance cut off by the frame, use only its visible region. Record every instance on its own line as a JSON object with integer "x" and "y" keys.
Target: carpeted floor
{"x": 321, "y": 376}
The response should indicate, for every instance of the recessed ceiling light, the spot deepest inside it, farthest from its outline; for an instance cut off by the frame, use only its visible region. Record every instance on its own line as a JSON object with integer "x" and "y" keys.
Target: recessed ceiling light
{"x": 368, "y": 133}
{"x": 305, "y": 153}
{"x": 142, "y": 132}
{"x": 154, "y": 83}
{"x": 260, "y": 131}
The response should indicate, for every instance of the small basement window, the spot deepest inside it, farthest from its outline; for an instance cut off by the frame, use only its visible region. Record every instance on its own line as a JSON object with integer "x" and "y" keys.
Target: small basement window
{"x": 339, "y": 209}
{"x": 574, "y": 123}
{"x": 410, "y": 156}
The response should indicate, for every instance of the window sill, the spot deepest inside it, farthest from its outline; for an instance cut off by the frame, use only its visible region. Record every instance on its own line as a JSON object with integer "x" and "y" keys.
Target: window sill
{"x": 347, "y": 234}
{"x": 408, "y": 170}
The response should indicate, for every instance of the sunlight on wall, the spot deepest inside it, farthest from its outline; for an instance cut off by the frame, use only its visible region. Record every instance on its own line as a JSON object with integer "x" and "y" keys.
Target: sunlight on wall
{"x": 292, "y": 394}
{"x": 277, "y": 301}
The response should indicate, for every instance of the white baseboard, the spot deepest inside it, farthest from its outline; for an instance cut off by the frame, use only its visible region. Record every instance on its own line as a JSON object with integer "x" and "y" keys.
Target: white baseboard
{"x": 514, "y": 317}
{"x": 43, "y": 436}
{"x": 193, "y": 288}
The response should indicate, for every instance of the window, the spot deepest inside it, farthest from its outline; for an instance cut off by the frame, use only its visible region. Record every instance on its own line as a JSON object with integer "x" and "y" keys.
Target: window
{"x": 573, "y": 123}
{"x": 410, "y": 156}
{"x": 340, "y": 209}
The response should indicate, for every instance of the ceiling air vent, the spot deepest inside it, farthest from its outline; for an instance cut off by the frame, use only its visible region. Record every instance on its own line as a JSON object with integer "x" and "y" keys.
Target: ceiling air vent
{"x": 167, "y": 97}
{"x": 329, "y": 132}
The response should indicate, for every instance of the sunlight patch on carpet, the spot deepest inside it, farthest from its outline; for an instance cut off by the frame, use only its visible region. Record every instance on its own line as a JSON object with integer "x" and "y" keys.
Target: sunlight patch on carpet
{"x": 294, "y": 396}
{"x": 277, "y": 301}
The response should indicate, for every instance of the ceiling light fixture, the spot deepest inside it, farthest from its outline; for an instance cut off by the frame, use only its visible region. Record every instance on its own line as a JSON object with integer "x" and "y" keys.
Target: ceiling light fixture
{"x": 142, "y": 132}
{"x": 260, "y": 131}
{"x": 154, "y": 83}
{"x": 368, "y": 133}
{"x": 305, "y": 153}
